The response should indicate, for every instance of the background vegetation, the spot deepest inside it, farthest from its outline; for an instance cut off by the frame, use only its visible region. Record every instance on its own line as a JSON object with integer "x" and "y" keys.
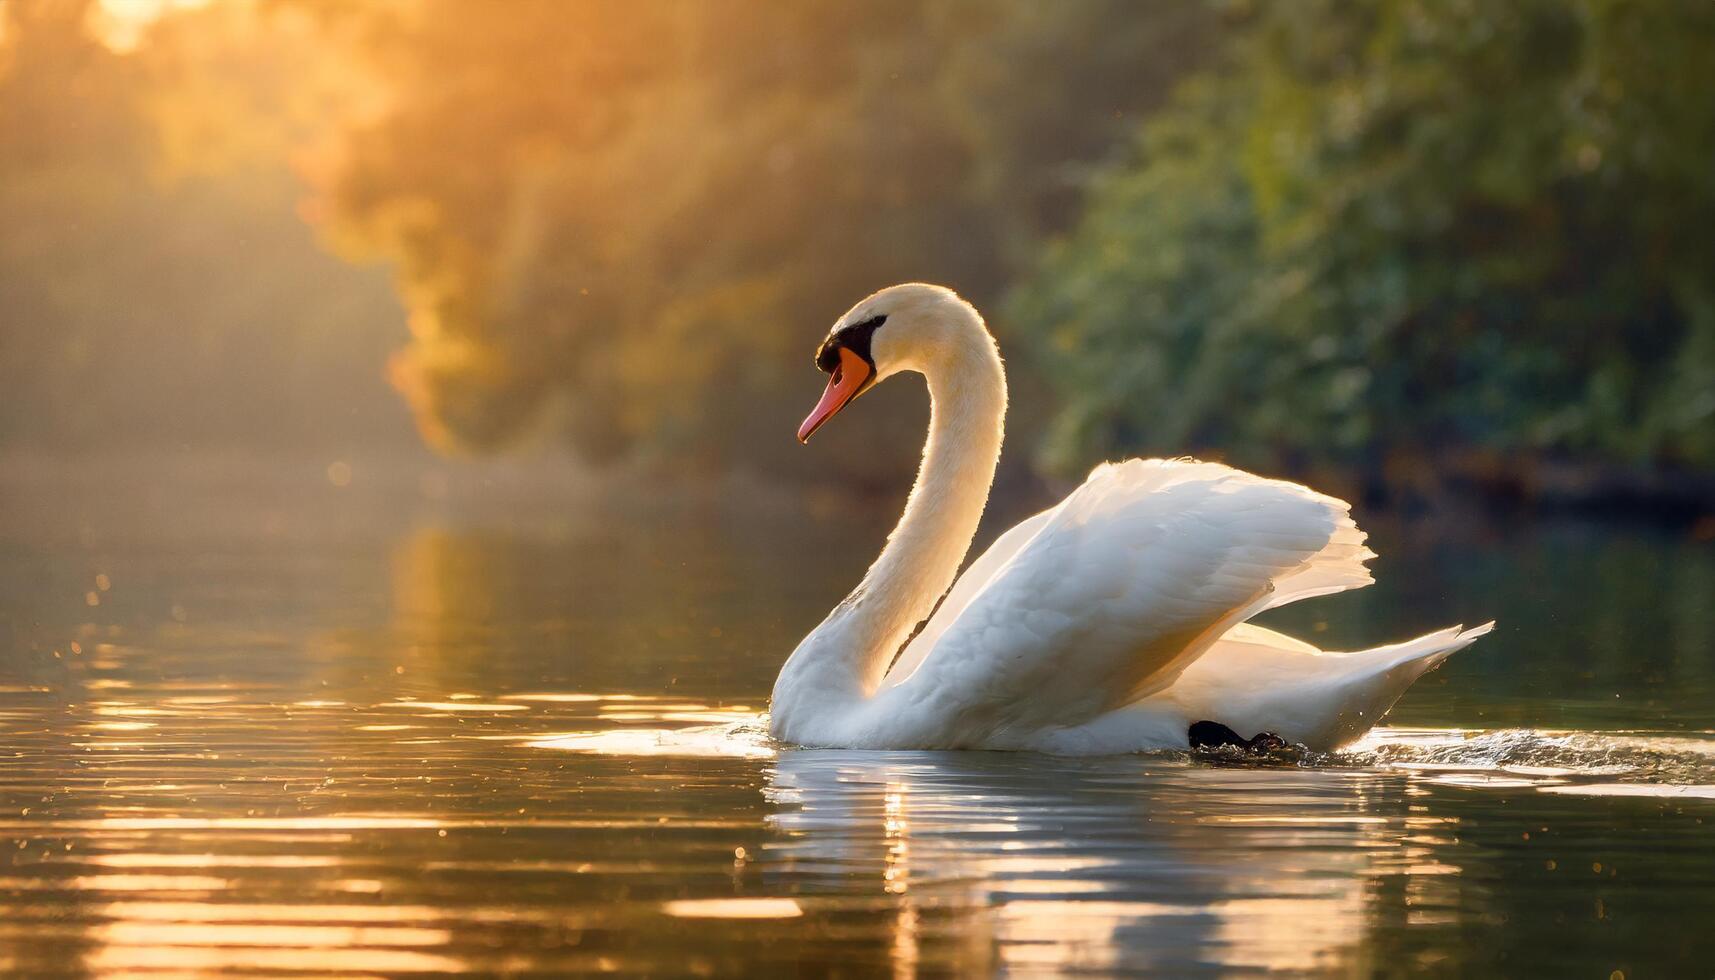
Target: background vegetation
{"x": 1395, "y": 241}
{"x": 1390, "y": 234}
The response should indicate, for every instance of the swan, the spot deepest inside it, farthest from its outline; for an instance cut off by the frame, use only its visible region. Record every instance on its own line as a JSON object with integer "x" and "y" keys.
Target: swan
{"x": 1114, "y": 621}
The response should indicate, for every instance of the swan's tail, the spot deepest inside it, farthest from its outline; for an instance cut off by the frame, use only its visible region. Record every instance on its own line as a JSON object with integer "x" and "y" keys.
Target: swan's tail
{"x": 1256, "y": 680}
{"x": 1414, "y": 658}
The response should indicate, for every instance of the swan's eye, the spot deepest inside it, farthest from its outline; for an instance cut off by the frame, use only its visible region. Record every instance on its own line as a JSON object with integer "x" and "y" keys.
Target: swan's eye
{"x": 855, "y": 338}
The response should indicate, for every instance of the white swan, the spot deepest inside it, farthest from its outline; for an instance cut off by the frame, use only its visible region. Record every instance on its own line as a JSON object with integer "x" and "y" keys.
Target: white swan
{"x": 1112, "y": 622}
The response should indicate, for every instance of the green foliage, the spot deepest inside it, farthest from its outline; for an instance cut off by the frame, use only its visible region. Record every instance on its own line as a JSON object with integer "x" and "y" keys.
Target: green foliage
{"x": 1404, "y": 226}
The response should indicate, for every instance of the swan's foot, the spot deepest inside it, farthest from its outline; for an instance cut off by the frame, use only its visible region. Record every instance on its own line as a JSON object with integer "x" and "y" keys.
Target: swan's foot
{"x": 1214, "y": 735}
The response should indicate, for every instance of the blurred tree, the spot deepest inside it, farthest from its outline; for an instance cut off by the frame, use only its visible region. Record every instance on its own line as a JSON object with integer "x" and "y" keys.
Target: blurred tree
{"x": 1405, "y": 229}
{"x": 647, "y": 214}
{"x": 157, "y": 287}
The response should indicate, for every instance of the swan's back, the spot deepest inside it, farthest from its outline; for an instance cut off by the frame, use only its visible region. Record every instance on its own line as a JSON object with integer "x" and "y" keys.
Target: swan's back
{"x": 1108, "y": 598}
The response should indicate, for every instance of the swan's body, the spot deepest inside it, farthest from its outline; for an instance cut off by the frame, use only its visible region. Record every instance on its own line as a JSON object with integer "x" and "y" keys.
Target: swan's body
{"x": 1111, "y": 622}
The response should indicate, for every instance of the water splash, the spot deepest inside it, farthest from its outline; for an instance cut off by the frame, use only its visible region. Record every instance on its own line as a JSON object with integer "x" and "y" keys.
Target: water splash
{"x": 1622, "y": 763}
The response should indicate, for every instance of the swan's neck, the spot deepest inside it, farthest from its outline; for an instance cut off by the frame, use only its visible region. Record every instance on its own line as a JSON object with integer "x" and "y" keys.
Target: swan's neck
{"x": 845, "y": 658}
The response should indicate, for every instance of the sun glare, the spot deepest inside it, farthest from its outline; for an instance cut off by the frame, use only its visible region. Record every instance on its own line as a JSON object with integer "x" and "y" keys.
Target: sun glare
{"x": 121, "y": 24}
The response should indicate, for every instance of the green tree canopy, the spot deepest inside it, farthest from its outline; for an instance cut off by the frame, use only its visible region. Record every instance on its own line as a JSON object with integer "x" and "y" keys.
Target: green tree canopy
{"x": 1405, "y": 226}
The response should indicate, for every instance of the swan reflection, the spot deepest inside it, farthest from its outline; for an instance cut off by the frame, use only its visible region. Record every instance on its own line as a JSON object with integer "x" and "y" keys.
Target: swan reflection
{"x": 1062, "y": 863}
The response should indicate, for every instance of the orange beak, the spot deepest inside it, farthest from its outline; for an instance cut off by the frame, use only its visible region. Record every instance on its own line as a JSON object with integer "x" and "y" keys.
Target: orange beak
{"x": 847, "y": 382}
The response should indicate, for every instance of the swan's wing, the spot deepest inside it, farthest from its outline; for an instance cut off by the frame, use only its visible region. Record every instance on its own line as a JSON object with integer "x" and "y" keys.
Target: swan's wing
{"x": 1105, "y": 598}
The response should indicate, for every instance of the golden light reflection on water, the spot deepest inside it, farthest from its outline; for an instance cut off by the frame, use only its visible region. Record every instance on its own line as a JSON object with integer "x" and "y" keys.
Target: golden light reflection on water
{"x": 210, "y": 860}
{"x": 251, "y": 933}
{"x": 1266, "y": 869}
{"x": 219, "y": 912}
{"x": 710, "y": 742}
{"x": 485, "y": 746}
{"x": 987, "y": 861}
{"x": 339, "y": 960}
{"x": 453, "y": 706}
{"x": 573, "y": 697}
{"x": 148, "y": 883}
{"x": 363, "y": 822}
{"x": 701, "y": 730}
{"x": 734, "y": 908}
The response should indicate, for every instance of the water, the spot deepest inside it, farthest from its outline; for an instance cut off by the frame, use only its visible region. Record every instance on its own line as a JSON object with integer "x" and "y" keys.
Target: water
{"x": 500, "y": 719}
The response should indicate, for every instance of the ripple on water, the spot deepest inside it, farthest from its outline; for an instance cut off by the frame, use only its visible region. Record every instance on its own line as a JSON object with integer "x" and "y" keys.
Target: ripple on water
{"x": 1673, "y": 765}
{"x": 178, "y": 831}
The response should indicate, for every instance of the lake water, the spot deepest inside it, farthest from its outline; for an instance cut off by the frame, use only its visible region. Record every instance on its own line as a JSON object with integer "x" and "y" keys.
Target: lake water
{"x": 351, "y": 719}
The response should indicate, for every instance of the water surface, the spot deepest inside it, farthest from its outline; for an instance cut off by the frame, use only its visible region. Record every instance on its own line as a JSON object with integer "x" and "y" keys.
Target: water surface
{"x": 381, "y": 720}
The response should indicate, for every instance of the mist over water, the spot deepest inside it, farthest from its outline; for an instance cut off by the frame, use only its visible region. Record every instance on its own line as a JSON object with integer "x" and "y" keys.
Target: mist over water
{"x": 417, "y": 717}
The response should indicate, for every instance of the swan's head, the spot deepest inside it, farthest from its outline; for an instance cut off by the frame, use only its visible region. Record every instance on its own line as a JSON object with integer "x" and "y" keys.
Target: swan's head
{"x": 910, "y": 327}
